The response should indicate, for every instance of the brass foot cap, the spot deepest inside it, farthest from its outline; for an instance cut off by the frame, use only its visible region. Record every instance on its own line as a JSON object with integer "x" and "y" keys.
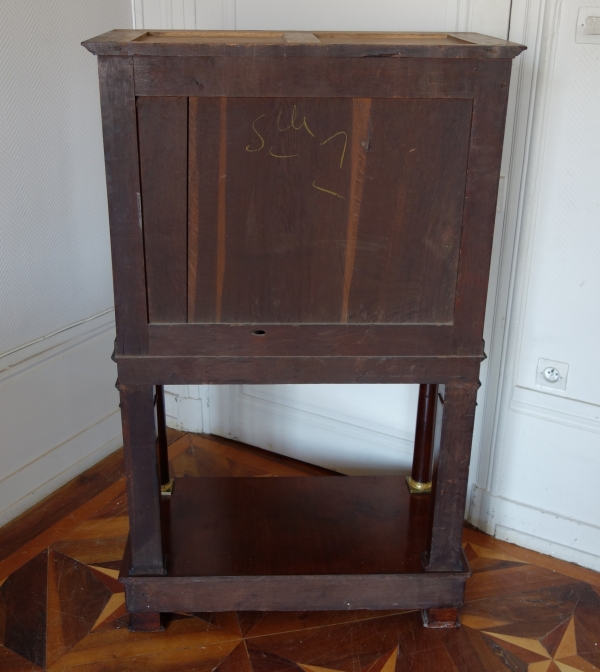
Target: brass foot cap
{"x": 167, "y": 488}
{"x": 417, "y": 488}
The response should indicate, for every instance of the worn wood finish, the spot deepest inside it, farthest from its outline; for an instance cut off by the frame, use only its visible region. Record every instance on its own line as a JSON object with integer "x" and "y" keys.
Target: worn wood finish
{"x": 317, "y": 208}
{"x": 278, "y": 44}
{"x": 291, "y": 172}
{"x": 289, "y": 370}
{"x": 145, "y": 622}
{"x": 487, "y": 135}
{"x": 203, "y": 206}
{"x": 143, "y": 492}
{"x": 162, "y": 129}
{"x": 450, "y": 477}
{"x": 119, "y": 128}
{"x": 295, "y": 593}
{"x": 302, "y": 340}
{"x": 409, "y": 236}
{"x": 205, "y": 76}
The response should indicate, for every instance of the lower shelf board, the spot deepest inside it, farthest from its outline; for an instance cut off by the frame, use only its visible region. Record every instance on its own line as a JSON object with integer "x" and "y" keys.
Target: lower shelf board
{"x": 281, "y": 544}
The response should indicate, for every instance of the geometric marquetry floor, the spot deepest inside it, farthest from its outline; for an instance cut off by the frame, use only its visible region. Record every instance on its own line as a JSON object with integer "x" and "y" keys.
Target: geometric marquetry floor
{"x": 61, "y": 607}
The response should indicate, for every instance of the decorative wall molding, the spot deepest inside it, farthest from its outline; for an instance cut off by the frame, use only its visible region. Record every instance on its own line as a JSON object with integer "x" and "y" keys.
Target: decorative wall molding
{"x": 551, "y": 407}
{"x": 58, "y": 412}
{"x": 330, "y": 439}
{"x": 543, "y": 531}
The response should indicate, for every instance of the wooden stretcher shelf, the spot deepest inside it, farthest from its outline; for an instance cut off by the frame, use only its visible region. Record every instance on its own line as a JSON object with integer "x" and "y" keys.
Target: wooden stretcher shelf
{"x": 266, "y": 537}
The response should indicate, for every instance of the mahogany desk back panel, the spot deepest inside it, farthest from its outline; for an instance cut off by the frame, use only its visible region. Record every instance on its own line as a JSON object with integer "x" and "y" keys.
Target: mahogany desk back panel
{"x": 302, "y": 208}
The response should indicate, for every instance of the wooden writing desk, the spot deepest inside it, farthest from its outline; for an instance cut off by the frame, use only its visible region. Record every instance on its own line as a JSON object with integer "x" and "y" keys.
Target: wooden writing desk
{"x": 300, "y": 208}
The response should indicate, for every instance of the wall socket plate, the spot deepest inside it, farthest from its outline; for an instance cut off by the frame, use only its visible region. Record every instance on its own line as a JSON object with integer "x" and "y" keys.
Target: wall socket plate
{"x": 563, "y": 372}
{"x": 588, "y": 25}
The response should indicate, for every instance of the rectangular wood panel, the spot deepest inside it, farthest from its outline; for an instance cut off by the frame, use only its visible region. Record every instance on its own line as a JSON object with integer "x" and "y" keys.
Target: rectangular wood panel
{"x": 279, "y": 370}
{"x": 370, "y": 77}
{"x": 411, "y": 214}
{"x": 302, "y": 340}
{"x": 315, "y": 210}
{"x": 163, "y": 131}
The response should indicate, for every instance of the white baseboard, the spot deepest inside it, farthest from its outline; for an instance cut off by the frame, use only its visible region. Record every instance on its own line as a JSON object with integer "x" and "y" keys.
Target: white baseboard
{"x": 304, "y": 432}
{"x": 543, "y": 531}
{"x": 58, "y": 412}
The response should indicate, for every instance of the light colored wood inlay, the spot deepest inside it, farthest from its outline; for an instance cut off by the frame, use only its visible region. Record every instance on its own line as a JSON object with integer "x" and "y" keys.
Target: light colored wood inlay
{"x": 221, "y": 215}
{"x": 361, "y": 114}
{"x": 193, "y": 208}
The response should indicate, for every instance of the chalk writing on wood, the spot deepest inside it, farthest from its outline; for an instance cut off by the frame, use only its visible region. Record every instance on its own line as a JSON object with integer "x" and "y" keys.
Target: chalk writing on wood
{"x": 258, "y": 143}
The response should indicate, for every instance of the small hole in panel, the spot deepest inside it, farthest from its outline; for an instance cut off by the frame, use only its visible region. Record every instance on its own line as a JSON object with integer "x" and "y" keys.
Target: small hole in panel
{"x": 259, "y": 332}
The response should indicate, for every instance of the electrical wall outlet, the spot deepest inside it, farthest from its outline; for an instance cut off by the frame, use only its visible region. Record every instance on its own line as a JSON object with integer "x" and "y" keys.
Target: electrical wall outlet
{"x": 588, "y": 25}
{"x": 551, "y": 374}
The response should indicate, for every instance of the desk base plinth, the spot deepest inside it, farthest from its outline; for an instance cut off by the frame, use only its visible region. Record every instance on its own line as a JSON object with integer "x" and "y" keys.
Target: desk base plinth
{"x": 294, "y": 544}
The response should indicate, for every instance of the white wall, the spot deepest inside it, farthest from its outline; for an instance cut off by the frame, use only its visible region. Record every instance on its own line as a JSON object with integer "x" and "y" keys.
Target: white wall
{"x": 537, "y": 485}
{"x": 58, "y": 405}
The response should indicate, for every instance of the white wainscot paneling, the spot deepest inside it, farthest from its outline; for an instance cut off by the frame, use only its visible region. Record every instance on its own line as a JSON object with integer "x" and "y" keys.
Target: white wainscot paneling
{"x": 366, "y": 429}
{"x": 545, "y": 495}
{"x": 541, "y": 487}
{"x": 561, "y": 320}
{"x": 59, "y": 412}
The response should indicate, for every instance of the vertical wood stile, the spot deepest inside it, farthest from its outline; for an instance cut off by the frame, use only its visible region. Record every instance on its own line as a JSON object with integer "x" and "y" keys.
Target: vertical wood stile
{"x": 222, "y": 213}
{"x": 361, "y": 113}
{"x": 119, "y": 129}
{"x": 163, "y": 137}
{"x": 485, "y": 154}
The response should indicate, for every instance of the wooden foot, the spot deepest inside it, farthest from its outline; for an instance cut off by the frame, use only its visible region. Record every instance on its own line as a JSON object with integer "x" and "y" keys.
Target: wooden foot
{"x": 440, "y": 618}
{"x": 146, "y": 621}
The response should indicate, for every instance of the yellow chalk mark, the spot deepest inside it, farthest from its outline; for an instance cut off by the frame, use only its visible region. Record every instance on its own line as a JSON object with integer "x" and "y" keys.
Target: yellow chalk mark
{"x": 257, "y": 133}
{"x": 327, "y": 191}
{"x": 282, "y": 156}
{"x": 293, "y": 123}
{"x": 345, "y": 144}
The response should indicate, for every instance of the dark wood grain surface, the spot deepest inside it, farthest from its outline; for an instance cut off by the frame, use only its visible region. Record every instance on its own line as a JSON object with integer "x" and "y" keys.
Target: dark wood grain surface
{"x": 451, "y": 475}
{"x": 246, "y": 526}
{"x": 162, "y": 130}
{"x": 487, "y": 135}
{"x": 119, "y": 129}
{"x": 141, "y": 466}
{"x": 269, "y": 370}
{"x": 206, "y": 76}
{"x": 302, "y": 340}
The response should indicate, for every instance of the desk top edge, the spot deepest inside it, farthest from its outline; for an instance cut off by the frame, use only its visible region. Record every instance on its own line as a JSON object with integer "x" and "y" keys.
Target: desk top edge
{"x": 321, "y": 44}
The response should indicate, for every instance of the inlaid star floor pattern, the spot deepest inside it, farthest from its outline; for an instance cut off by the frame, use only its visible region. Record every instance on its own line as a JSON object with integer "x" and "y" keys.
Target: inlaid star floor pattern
{"x": 62, "y": 608}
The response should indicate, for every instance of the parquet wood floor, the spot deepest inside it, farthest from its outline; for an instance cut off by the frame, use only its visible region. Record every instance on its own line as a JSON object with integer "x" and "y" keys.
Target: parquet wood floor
{"x": 61, "y": 607}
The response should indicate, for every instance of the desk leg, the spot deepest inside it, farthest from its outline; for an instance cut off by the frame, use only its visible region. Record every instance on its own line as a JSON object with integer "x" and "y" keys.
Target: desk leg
{"x": 450, "y": 478}
{"x": 143, "y": 491}
{"x": 420, "y": 479}
{"x": 166, "y": 483}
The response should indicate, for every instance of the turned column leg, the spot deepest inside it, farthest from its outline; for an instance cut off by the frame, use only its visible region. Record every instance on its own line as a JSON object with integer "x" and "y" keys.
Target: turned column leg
{"x": 420, "y": 479}
{"x": 143, "y": 491}
{"x": 166, "y": 483}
